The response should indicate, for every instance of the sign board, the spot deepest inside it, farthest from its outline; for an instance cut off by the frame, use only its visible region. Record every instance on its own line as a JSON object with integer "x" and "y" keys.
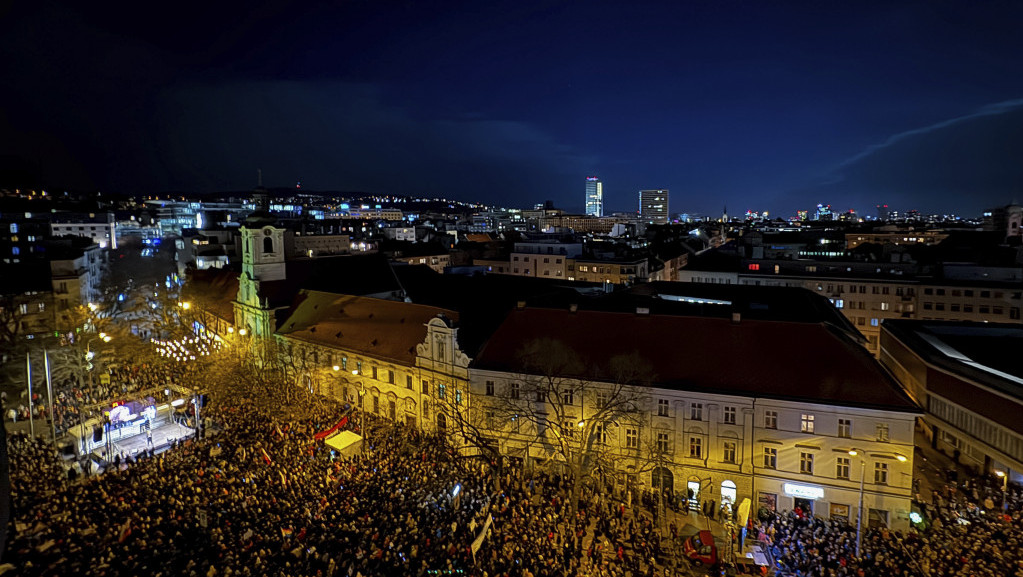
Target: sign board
{"x": 803, "y": 491}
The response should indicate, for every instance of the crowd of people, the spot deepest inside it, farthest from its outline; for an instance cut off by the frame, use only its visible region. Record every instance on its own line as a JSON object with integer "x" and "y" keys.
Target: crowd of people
{"x": 262, "y": 497}
{"x": 970, "y": 531}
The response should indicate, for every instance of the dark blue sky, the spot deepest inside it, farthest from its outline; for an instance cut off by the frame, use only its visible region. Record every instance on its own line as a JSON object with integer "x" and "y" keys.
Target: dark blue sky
{"x": 757, "y": 105}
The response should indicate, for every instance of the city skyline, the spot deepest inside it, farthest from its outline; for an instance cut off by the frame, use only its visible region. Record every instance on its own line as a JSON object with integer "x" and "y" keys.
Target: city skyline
{"x": 775, "y": 108}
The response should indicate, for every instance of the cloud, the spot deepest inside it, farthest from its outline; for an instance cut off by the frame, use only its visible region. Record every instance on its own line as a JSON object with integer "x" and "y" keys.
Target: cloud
{"x": 346, "y": 136}
{"x": 987, "y": 110}
{"x": 962, "y": 165}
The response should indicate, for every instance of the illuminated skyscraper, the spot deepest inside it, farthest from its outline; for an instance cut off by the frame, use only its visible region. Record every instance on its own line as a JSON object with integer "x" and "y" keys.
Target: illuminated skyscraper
{"x": 594, "y": 196}
{"x": 653, "y": 206}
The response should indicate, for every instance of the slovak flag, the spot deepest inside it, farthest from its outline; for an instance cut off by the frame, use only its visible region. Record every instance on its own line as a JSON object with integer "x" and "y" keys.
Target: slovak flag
{"x": 286, "y": 531}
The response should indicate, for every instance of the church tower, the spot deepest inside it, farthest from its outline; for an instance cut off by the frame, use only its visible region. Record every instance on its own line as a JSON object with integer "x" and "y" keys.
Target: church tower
{"x": 262, "y": 261}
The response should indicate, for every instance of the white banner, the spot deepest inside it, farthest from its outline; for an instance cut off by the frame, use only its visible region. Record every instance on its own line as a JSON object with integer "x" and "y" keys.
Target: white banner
{"x": 478, "y": 542}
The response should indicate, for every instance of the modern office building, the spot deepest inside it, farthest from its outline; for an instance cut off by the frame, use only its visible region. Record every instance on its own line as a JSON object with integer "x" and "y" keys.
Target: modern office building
{"x": 594, "y": 196}
{"x": 653, "y": 206}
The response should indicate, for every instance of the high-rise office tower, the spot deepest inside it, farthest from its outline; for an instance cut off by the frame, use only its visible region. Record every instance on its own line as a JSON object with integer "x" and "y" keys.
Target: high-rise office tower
{"x": 653, "y": 206}
{"x": 594, "y": 196}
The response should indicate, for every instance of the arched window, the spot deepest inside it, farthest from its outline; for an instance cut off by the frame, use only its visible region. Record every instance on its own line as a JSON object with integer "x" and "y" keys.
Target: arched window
{"x": 268, "y": 244}
{"x": 662, "y": 478}
{"x": 442, "y": 423}
{"x": 728, "y": 493}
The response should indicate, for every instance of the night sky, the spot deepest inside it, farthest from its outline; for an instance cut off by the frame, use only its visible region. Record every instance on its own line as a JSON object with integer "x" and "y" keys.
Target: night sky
{"x": 757, "y": 105}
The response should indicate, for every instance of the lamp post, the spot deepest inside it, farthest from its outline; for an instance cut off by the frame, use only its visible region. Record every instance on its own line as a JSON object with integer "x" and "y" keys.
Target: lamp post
{"x": 859, "y": 514}
{"x": 361, "y": 402}
{"x": 859, "y": 517}
{"x": 87, "y": 368}
{"x": 1005, "y": 487}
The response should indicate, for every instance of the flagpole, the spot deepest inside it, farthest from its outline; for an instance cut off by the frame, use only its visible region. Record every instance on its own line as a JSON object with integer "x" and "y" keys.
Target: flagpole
{"x": 28, "y": 375}
{"x": 49, "y": 395}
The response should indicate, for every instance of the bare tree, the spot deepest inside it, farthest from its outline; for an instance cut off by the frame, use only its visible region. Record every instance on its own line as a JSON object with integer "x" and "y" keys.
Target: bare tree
{"x": 573, "y": 413}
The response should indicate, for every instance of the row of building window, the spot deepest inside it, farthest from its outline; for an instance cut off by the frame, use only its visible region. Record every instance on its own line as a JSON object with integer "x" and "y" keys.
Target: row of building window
{"x": 728, "y": 413}
{"x": 980, "y": 428}
{"x": 968, "y": 308}
{"x": 968, "y": 293}
{"x": 842, "y": 465}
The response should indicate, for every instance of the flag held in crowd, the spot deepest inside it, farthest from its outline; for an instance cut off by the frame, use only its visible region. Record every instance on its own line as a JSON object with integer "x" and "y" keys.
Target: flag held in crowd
{"x": 125, "y": 531}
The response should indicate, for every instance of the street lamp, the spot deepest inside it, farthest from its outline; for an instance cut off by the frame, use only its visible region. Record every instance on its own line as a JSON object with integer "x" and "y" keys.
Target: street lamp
{"x": 859, "y": 516}
{"x": 362, "y": 406}
{"x": 1005, "y": 486}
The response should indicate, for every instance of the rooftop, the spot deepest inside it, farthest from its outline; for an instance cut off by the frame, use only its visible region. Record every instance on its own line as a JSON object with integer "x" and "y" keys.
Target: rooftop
{"x": 382, "y": 328}
{"x": 984, "y": 352}
{"x": 810, "y": 362}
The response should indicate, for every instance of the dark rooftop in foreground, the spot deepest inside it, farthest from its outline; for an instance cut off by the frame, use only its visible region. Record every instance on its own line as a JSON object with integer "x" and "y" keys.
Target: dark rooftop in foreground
{"x": 812, "y": 362}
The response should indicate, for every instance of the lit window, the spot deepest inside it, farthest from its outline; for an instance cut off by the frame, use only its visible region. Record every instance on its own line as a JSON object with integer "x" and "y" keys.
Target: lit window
{"x": 806, "y": 423}
{"x": 696, "y": 447}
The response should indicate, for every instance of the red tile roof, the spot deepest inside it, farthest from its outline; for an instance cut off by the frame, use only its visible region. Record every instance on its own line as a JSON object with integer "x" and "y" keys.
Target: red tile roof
{"x": 378, "y": 328}
{"x": 752, "y": 358}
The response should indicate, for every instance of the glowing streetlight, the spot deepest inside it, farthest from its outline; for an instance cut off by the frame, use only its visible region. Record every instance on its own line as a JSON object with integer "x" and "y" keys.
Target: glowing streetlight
{"x": 1005, "y": 486}
{"x": 859, "y": 515}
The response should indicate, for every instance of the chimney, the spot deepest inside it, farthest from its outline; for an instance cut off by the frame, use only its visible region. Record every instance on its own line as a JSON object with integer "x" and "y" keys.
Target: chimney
{"x": 736, "y": 317}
